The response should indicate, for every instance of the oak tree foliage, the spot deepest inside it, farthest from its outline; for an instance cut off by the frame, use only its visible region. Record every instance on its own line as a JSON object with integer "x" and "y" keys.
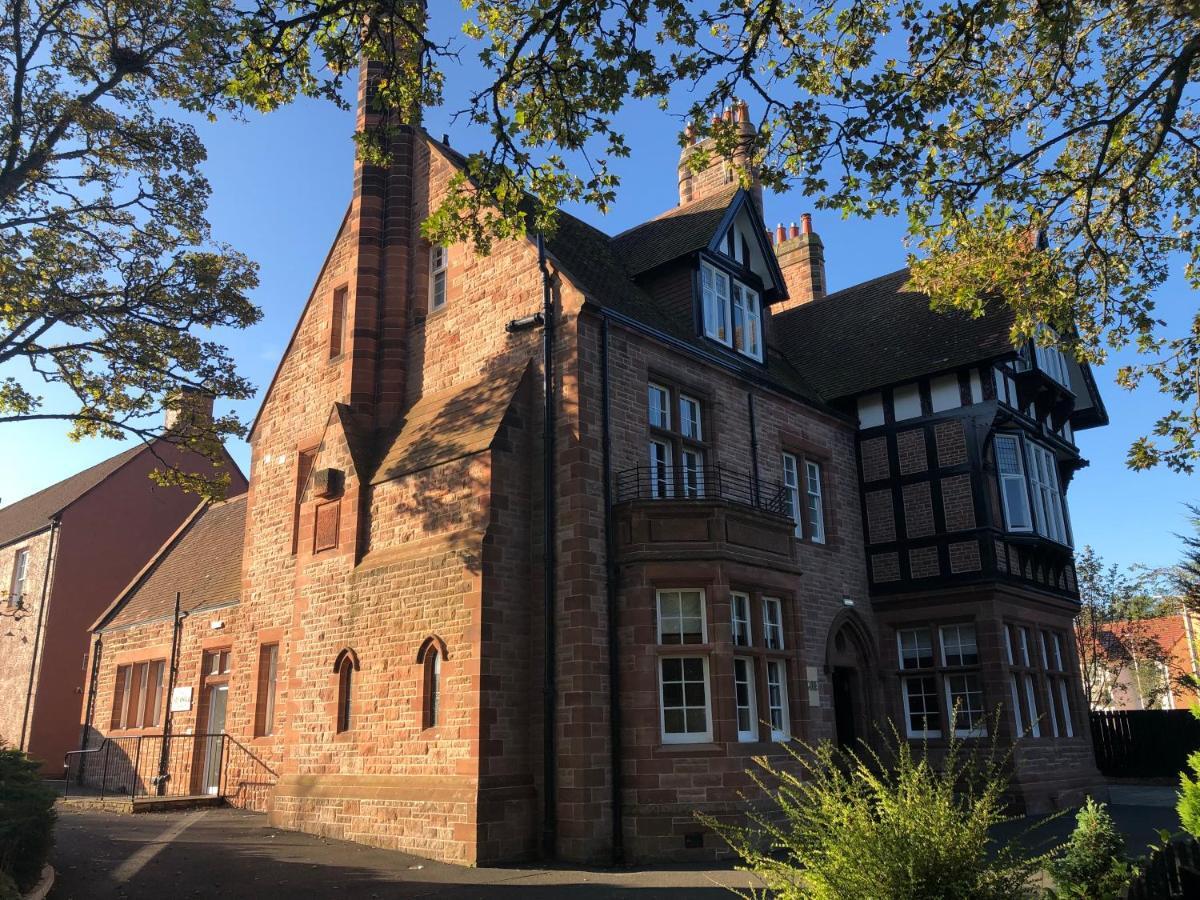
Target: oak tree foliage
{"x": 982, "y": 122}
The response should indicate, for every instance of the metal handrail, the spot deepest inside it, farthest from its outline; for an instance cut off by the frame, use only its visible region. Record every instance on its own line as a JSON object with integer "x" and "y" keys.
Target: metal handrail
{"x": 701, "y": 483}
{"x": 180, "y": 765}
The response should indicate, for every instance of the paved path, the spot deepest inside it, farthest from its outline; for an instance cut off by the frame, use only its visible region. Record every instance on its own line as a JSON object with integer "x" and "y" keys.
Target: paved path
{"x": 228, "y": 853}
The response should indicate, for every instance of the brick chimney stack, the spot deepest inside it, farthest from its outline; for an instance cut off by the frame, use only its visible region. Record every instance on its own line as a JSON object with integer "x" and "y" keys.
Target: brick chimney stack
{"x": 187, "y": 407}
{"x": 721, "y": 171}
{"x": 801, "y": 258}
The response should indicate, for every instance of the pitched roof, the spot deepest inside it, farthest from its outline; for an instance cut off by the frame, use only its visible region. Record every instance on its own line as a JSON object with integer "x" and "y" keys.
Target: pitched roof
{"x": 676, "y": 232}
{"x": 33, "y": 513}
{"x": 202, "y": 561}
{"x": 451, "y": 424}
{"x": 882, "y": 332}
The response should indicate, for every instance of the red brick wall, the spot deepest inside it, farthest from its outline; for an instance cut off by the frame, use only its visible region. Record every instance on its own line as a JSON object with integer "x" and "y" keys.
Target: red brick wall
{"x": 19, "y": 630}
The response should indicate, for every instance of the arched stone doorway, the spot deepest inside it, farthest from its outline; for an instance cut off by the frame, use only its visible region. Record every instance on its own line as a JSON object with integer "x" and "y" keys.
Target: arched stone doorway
{"x": 850, "y": 663}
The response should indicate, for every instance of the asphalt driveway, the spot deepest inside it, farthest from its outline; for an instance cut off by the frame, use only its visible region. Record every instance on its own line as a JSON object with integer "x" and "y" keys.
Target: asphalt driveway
{"x": 228, "y": 853}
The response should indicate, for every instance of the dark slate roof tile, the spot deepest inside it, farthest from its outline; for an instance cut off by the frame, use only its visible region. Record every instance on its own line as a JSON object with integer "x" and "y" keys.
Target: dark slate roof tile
{"x": 883, "y": 332}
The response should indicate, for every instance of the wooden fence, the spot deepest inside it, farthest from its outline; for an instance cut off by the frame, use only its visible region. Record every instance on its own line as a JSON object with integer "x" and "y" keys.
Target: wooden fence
{"x": 1144, "y": 743}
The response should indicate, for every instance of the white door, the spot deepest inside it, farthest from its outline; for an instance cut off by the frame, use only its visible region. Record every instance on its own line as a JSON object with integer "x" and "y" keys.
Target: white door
{"x": 214, "y": 743}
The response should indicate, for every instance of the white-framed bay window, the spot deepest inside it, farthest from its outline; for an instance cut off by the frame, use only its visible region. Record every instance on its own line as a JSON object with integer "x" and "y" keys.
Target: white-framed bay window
{"x": 685, "y": 702}
{"x": 918, "y": 683}
{"x": 732, "y": 312}
{"x": 943, "y": 683}
{"x": 1048, "y": 506}
{"x": 1014, "y": 492}
{"x": 1029, "y": 488}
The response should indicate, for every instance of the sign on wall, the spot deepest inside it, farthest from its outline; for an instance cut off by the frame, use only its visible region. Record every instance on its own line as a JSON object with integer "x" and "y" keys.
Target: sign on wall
{"x": 181, "y": 699}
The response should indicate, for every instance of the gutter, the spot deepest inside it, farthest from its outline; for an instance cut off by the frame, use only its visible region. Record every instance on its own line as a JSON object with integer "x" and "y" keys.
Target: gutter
{"x": 37, "y": 634}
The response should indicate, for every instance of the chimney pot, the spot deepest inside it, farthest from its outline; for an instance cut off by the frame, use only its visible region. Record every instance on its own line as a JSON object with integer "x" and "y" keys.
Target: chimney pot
{"x": 806, "y": 223}
{"x": 793, "y": 231}
{"x": 780, "y": 234}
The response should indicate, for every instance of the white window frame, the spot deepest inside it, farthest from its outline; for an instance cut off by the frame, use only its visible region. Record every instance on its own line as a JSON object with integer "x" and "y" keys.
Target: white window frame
{"x": 20, "y": 574}
{"x": 658, "y": 402}
{"x": 1035, "y": 717}
{"x": 690, "y": 416}
{"x": 815, "y": 501}
{"x": 691, "y": 472}
{"x": 978, "y": 715}
{"x": 1063, "y": 694}
{"x": 662, "y": 473}
{"x": 778, "y": 669}
{"x": 751, "y": 706}
{"x": 724, "y": 300}
{"x": 439, "y": 282}
{"x": 1048, "y": 501}
{"x": 791, "y": 486}
{"x": 960, "y": 631}
{"x": 699, "y": 592}
{"x": 1016, "y": 704}
{"x": 773, "y": 631}
{"x": 740, "y": 624}
{"x": 930, "y": 676}
{"x": 917, "y": 646}
{"x": 692, "y": 737}
{"x": 1015, "y": 478}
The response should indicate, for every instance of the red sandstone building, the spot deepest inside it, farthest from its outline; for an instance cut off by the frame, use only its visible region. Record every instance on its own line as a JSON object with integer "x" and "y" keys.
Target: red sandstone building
{"x": 64, "y": 553}
{"x": 774, "y": 513}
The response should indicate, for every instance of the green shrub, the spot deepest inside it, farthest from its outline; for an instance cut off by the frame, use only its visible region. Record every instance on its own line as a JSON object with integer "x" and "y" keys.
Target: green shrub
{"x": 1189, "y": 792}
{"x": 1092, "y": 863}
{"x": 26, "y": 818}
{"x": 849, "y": 826}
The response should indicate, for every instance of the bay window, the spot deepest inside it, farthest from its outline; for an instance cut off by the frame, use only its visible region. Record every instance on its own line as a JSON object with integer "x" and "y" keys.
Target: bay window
{"x": 947, "y": 684}
{"x": 732, "y": 312}
{"x": 1029, "y": 488}
{"x": 1039, "y": 681}
{"x": 1047, "y": 498}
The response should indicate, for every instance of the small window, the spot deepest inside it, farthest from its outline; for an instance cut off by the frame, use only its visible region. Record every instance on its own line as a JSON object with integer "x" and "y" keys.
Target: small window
{"x": 681, "y": 617}
{"x": 715, "y": 291}
{"x": 964, "y": 700}
{"x": 216, "y": 662}
{"x": 1035, "y": 714}
{"x": 958, "y": 645}
{"x": 976, "y": 387}
{"x": 724, "y": 299}
{"x": 906, "y": 402}
{"x": 684, "y": 696}
{"x": 20, "y": 574}
{"x": 660, "y": 406}
{"x": 433, "y": 687}
{"x": 691, "y": 470}
{"x": 337, "y": 323}
{"x": 740, "y": 605}
{"x": 916, "y": 648}
{"x": 689, "y": 418}
{"x": 1013, "y": 490}
{"x": 1016, "y": 704}
{"x": 777, "y": 700}
{"x": 1023, "y": 644}
{"x": 816, "y": 505}
{"x": 772, "y": 623}
{"x": 264, "y": 707}
{"x": 1047, "y": 498}
{"x": 747, "y": 322}
{"x": 921, "y": 715}
{"x": 744, "y": 699}
{"x": 438, "y": 259}
{"x": 791, "y": 486}
{"x": 345, "y": 693}
{"x": 662, "y": 475}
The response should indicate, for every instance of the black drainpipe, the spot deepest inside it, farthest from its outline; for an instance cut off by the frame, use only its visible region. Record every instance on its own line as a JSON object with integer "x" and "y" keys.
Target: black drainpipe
{"x": 549, "y": 526}
{"x": 164, "y": 755}
{"x": 614, "y": 694}
{"x": 93, "y": 684}
{"x": 37, "y": 634}
{"x": 753, "y": 449}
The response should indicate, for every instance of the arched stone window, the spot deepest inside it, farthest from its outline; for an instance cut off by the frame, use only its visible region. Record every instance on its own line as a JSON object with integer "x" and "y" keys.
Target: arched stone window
{"x": 344, "y": 667}
{"x": 430, "y": 656}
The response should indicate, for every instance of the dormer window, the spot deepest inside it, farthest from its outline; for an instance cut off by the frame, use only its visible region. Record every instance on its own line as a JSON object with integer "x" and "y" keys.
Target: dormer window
{"x": 1050, "y": 359}
{"x": 732, "y": 312}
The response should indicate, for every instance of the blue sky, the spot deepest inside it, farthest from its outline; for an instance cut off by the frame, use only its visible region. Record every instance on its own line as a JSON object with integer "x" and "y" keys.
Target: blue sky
{"x": 280, "y": 187}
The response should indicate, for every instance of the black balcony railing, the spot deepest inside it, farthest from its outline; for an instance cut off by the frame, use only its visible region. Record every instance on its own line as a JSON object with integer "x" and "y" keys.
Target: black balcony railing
{"x": 702, "y": 483}
{"x": 190, "y": 765}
